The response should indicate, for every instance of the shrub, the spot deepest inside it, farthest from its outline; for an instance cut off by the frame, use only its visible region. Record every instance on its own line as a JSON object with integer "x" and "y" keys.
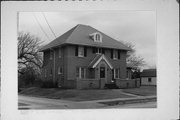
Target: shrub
{"x": 48, "y": 84}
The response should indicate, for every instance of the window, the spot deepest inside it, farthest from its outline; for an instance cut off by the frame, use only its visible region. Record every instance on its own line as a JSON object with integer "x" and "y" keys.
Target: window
{"x": 115, "y": 54}
{"x": 127, "y": 74}
{"x": 51, "y": 55}
{"x": 98, "y": 50}
{"x": 96, "y": 37}
{"x": 45, "y": 73}
{"x": 51, "y": 72}
{"x": 116, "y": 73}
{"x": 80, "y": 72}
{"x": 80, "y": 51}
{"x": 60, "y": 53}
{"x": 149, "y": 79}
{"x": 60, "y": 70}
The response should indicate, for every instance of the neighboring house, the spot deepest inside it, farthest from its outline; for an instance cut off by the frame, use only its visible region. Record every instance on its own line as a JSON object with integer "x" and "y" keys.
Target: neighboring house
{"x": 148, "y": 77}
{"x": 84, "y": 57}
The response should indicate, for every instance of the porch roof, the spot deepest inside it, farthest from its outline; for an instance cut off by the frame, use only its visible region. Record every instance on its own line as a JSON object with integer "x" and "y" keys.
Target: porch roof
{"x": 97, "y": 59}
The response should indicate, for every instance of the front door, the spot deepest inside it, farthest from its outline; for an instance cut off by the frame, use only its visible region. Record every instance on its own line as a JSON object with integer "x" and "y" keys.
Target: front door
{"x": 102, "y": 72}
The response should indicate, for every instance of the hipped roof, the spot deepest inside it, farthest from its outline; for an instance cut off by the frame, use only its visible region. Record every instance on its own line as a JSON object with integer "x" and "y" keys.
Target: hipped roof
{"x": 79, "y": 35}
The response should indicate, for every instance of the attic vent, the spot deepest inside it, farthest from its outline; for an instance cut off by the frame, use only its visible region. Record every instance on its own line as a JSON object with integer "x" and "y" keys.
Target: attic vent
{"x": 96, "y": 37}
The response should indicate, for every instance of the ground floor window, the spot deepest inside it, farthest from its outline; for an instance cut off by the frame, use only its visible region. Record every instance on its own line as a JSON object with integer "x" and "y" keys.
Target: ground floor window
{"x": 149, "y": 79}
{"x": 116, "y": 73}
{"x": 51, "y": 72}
{"x": 45, "y": 73}
{"x": 80, "y": 72}
{"x": 60, "y": 70}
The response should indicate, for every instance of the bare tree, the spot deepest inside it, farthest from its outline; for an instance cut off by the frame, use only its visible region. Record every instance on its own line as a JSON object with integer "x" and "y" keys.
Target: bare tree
{"x": 133, "y": 59}
{"x": 28, "y": 54}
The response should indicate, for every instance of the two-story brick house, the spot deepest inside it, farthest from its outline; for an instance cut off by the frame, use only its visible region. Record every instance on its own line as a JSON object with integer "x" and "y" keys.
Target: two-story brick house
{"x": 84, "y": 57}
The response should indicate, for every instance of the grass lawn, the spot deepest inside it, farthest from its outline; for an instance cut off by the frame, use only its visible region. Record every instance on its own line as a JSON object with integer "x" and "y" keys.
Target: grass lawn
{"x": 86, "y": 95}
{"x": 142, "y": 91}
{"x": 73, "y": 94}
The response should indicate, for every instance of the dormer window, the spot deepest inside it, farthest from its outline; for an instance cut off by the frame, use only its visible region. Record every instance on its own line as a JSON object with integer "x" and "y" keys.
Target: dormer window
{"x": 96, "y": 37}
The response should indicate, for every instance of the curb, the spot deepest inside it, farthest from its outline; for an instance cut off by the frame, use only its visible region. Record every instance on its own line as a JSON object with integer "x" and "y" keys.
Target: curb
{"x": 129, "y": 101}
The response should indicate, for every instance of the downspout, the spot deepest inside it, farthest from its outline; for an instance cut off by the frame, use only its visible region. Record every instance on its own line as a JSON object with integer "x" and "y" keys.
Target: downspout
{"x": 54, "y": 66}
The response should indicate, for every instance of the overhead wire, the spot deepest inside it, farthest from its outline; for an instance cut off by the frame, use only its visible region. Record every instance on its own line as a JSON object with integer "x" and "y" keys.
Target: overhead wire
{"x": 40, "y": 26}
{"x": 49, "y": 25}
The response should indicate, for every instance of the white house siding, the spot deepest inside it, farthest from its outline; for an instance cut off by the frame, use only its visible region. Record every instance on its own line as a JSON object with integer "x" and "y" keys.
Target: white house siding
{"x": 144, "y": 81}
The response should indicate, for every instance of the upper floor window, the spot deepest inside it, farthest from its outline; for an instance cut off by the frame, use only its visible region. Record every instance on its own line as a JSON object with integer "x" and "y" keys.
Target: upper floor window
{"x": 81, "y": 51}
{"x": 60, "y": 52}
{"x": 98, "y": 50}
{"x": 51, "y": 55}
{"x": 115, "y": 54}
{"x": 97, "y": 37}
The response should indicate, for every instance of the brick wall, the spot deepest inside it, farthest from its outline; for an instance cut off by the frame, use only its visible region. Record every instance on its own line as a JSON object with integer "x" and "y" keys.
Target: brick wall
{"x": 69, "y": 62}
{"x": 127, "y": 83}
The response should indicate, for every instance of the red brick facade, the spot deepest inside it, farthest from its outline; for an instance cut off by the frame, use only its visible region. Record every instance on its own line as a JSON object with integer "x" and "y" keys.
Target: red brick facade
{"x": 69, "y": 62}
{"x": 88, "y": 59}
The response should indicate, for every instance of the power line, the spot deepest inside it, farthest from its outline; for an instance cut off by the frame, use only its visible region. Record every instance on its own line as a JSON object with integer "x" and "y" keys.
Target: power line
{"x": 40, "y": 26}
{"x": 49, "y": 25}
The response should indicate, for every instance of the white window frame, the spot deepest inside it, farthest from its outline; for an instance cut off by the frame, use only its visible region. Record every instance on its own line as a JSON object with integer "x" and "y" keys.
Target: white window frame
{"x": 98, "y": 37}
{"x": 80, "y": 51}
{"x": 60, "y": 70}
{"x": 115, "y": 54}
{"x": 98, "y": 51}
{"x": 60, "y": 53}
{"x": 94, "y": 36}
{"x": 118, "y": 70}
{"x": 80, "y": 72}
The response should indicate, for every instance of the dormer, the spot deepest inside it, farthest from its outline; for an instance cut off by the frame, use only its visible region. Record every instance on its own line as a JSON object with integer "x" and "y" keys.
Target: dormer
{"x": 96, "y": 37}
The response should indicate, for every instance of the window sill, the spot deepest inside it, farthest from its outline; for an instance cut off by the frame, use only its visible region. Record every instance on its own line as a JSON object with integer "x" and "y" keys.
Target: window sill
{"x": 80, "y": 56}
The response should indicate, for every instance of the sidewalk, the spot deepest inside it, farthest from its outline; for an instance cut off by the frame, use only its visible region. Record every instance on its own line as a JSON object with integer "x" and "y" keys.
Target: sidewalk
{"x": 111, "y": 102}
{"x": 45, "y": 103}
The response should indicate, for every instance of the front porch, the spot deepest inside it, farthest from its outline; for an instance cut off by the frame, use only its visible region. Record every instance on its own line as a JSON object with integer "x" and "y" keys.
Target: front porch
{"x": 101, "y": 74}
{"x": 101, "y": 83}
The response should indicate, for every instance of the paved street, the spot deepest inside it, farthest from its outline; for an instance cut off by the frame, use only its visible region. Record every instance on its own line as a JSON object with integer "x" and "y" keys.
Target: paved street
{"x": 136, "y": 105}
{"x": 26, "y": 102}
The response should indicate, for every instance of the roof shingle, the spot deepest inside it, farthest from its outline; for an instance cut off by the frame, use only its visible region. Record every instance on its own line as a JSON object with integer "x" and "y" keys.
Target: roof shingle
{"x": 79, "y": 35}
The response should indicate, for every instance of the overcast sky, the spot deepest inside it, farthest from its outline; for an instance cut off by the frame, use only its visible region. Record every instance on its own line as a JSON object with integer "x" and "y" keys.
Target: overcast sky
{"x": 136, "y": 27}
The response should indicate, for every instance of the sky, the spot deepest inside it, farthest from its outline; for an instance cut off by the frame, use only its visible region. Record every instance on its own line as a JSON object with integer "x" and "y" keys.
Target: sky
{"x": 136, "y": 27}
